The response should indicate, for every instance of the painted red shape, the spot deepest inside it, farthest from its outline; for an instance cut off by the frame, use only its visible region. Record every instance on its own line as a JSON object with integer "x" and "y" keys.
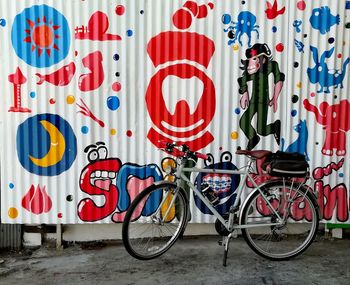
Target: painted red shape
{"x": 96, "y": 29}
{"x": 60, "y": 77}
{"x": 202, "y": 11}
{"x": 88, "y": 210}
{"x": 18, "y": 79}
{"x": 192, "y": 6}
{"x": 171, "y": 46}
{"x": 182, "y": 19}
{"x": 181, "y": 125}
{"x": 94, "y": 79}
{"x": 85, "y": 110}
{"x": 335, "y": 121}
{"x": 272, "y": 10}
{"x": 37, "y": 201}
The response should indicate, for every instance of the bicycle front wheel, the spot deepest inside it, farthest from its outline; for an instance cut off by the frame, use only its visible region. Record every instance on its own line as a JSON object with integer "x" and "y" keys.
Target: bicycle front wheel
{"x": 149, "y": 236}
{"x": 286, "y": 238}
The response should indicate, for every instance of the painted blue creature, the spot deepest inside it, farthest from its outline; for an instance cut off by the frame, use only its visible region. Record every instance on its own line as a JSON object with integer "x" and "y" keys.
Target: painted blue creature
{"x": 299, "y": 45}
{"x": 246, "y": 24}
{"x": 223, "y": 185}
{"x": 297, "y": 24}
{"x": 322, "y": 19}
{"x": 322, "y": 75}
{"x": 300, "y": 144}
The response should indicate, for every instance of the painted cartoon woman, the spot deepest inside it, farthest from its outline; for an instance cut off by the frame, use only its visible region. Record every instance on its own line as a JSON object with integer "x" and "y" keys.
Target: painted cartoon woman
{"x": 257, "y": 68}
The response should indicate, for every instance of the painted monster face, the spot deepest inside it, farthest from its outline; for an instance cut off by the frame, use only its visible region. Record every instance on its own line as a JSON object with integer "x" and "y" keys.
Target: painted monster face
{"x": 224, "y": 185}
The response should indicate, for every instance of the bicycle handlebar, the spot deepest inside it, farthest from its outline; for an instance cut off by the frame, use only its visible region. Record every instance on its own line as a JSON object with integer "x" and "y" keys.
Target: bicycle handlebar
{"x": 174, "y": 149}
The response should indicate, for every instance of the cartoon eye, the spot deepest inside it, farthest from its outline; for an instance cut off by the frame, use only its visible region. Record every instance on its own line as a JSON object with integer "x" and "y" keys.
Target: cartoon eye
{"x": 209, "y": 160}
{"x": 102, "y": 152}
{"x": 226, "y": 157}
{"x": 93, "y": 155}
{"x": 317, "y": 13}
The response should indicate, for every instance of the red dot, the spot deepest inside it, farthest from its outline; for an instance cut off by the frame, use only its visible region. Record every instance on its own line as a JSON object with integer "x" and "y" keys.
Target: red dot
{"x": 59, "y": 215}
{"x": 52, "y": 101}
{"x": 76, "y": 53}
{"x": 116, "y": 86}
{"x": 129, "y": 133}
{"x": 182, "y": 19}
{"x": 120, "y": 10}
{"x": 280, "y": 47}
{"x": 312, "y": 94}
{"x": 211, "y": 5}
{"x": 301, "y": 5}
{"x": 340, "y": 55}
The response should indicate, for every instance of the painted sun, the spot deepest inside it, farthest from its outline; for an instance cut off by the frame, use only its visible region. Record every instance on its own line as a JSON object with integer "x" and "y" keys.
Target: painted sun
{"x": 41, "y": 35}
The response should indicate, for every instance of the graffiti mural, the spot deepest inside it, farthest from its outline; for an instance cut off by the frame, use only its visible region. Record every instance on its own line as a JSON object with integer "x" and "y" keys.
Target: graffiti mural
{"x": 117, "y": 78}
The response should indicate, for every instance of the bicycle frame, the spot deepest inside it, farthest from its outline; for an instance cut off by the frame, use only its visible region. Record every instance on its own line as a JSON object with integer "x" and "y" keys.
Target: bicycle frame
{"x": 229, "y": 225}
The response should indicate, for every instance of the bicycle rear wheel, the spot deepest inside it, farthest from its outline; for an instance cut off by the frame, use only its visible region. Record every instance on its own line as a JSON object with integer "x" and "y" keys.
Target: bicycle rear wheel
{"x": 150, "y": 236}
{"x": 290, "y": 238}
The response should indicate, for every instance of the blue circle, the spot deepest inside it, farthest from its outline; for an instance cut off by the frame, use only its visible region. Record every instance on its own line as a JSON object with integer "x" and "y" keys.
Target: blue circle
{"x": 294, "y": 113}
{"x": 32, "y": 94}
{"x": 274, "y": 29}
{"x": 226, "y": 19}
{"x": 34, "y": 142}
{"x": 11, "y": 186}
{"x": 116, "y": 57}
{"x": 113, "y": 103}
{"x": 26, "y": 44}
{"x": 341, "y": 175}
{"x": 129, "y": 33}
{"x": 237, "y": 111}
{"x": 84, "y": 129}
{"x": 2, "y": 22}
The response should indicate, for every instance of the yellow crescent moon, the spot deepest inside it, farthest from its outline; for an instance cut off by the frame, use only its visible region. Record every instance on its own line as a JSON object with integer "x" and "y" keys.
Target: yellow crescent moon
{"x": 57, "y": 146}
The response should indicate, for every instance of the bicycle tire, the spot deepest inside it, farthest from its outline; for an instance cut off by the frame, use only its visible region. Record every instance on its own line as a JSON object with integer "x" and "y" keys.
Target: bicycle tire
{"x": 148, "y": 245}
{"x": 286, "y": 241}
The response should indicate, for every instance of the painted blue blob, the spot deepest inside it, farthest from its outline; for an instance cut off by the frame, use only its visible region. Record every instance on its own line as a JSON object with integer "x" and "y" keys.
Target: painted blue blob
{"x": 274, "y": 29}
{"x": 226, "y": 19}
{"x": 41, "y": 20}
{"x": 34, "y": 141}
{"x": 237, "y": 111}
{"x": 116, "y": 57}
{"x": 2, "y": 22}
{"x": 141, "y": 172}
{"x": 32, "y": 94}
{"x": 322, "y": 19}
{"x": 84, "y": 129}
{"x": 113, "y": 103}
{"x": 294, "y": 113}
{"x": 11, "y": 186}
{"x": 129, "y": 33}
{"x": 341, "y": 175}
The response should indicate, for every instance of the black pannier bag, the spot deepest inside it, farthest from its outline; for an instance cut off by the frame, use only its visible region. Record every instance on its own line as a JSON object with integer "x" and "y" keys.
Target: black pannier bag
{"x": 286, "y": 164}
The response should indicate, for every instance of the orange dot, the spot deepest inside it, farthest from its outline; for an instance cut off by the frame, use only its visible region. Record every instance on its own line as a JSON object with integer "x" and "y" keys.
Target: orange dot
{"x": 234, "y": 135}
{"x": 13, "y": 213}
{"x": 43, "y": 36}
{"x": 299, "y": 85}
{"x": 113, "y": 132}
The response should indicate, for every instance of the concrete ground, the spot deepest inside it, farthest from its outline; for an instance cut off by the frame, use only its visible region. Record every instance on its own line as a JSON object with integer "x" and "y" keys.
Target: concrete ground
{"x": 191, "y": 261}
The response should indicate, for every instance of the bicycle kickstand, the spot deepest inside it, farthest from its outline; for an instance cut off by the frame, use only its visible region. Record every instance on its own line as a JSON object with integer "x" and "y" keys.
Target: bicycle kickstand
{"x": 226, "y": 244}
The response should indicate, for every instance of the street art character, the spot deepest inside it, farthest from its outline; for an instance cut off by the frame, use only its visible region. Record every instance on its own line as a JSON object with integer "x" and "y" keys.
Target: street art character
{"x": 257, "y": 68}
{"x": 223, "y": 185}
{"x": 246, "y": 24}
{"x": 336, "y": 121}
{"x": 322, "y": 19}
{"x": 321, "y": 74}
{"x": 300, "y": 144}
{"x": 118, "y": 184}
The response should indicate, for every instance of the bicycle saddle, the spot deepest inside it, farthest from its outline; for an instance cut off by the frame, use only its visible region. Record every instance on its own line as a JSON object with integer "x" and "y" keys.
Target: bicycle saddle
{"x": 258, "y": 154}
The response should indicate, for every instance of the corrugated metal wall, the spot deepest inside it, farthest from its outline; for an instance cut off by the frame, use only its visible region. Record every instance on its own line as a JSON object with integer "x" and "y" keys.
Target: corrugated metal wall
{"x": 10, "y": 236}
{"x": 88, "y": 88}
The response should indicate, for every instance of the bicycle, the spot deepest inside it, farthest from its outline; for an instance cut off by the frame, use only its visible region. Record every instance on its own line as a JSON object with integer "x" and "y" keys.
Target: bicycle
{"x": 264, "y": 216}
